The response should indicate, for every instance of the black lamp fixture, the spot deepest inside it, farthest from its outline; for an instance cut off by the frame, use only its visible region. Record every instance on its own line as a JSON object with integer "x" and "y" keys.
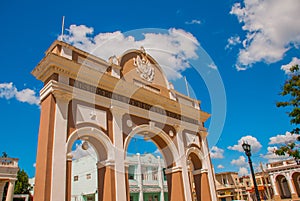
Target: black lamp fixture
{"x": 247, "y": 149}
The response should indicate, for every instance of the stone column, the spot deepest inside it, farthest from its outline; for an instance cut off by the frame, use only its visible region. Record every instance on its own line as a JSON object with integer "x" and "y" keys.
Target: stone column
{"x": 291, "y": 185}
{"x": 207, "y": 160}
{"x": 106, "y": 182}
{"x": 2, "y": 185}
{"x": 160, "y": 179}
{"x": 175, "y": 184}
{"x": 69, "y": 177}
{"x": 274, "y": 186}
{"x": 119, "y": 153}
{"x": 10, "y": 190}
{"x": 58, "y": 185}
{"x": 139, "y": 178}
{"x": 183, "y": 163}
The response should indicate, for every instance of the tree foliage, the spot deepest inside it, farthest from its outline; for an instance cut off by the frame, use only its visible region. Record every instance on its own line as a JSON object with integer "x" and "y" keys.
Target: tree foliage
{"x": 4, "y": 155}
{"x": 291, "y": 91}
{"x": 22, "y": 185}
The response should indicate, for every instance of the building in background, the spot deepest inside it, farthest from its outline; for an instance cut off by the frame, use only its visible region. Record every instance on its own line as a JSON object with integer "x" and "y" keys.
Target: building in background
{"x": 8, "y": 174}
{"x": 229, "y": 187}
{"x": 145, "y": 178}
{"x": 285, "y": 179}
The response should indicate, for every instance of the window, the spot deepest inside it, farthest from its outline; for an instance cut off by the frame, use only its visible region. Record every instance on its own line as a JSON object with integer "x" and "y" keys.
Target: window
{"x": 76, "y": 178}
{"x": 88, "y": 176}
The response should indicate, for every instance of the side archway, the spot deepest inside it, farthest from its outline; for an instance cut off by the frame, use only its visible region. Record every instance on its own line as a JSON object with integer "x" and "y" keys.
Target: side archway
{"x": 105, "y": 161}
{"x": 198, "y": 175}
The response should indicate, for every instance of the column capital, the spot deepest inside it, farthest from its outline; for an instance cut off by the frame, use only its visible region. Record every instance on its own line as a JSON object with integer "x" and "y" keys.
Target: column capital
{"x": 173, "y": 170}
{"x": 106, "y": 163}
{"x": 69, "y": 157}
{"x": 62, "y": 96}
{"x": 200, "y": 171}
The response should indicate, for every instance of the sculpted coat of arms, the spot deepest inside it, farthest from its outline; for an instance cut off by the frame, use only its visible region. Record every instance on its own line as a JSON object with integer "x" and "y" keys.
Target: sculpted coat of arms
{"x": 144, "y": 67}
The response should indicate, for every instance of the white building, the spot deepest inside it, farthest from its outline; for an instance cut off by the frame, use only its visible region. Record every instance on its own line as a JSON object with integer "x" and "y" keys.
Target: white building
{"x": 145, "y": 175}
{"x": 8, "y": 174}
{"x": 285, "y": 179}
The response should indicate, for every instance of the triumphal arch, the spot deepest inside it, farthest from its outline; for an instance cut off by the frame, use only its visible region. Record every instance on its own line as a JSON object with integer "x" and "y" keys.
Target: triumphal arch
{"x": 106, "y": 103}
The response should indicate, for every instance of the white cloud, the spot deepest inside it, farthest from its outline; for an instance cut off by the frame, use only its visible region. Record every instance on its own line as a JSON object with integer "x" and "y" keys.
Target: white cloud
{"x": 241, "y": 161}
{"x": 255, "y": 145}
{"x": 272, "y": 28}
{"x": 34, "y": 165}
{"x": 216, "y": 152}
{"x": 286, "y": 68}
{"x": 9, "y": 91}
{"x": 272, "y": 157}
{"x": 283, "y": 139}
{"x": 171, "y": 49}
{"x": 213, "y": 66}
{"x": 220, "y": 167}
{"x": 79, "y": 152}
{"x": 233, "y": 41}
{"x": 243, "y": 171}
{"x": 193, "y": 22}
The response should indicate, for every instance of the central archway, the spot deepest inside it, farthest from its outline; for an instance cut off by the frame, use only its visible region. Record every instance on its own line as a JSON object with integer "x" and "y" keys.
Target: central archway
{"x": 169, "y": 153}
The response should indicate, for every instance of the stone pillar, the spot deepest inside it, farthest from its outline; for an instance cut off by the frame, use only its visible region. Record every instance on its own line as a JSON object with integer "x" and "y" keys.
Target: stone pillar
{"x": 119, "y": 153}
{"x": 127, "y": 182}
{"x": 69, "y": 177}
{"x": 2, "y": 185}
{"x": 160, "y": 179}
{"x": 106, "y": 182}
{"x": 274, "y": 186}
{"x": 291, "y": 185}
{"x": 43, "y": 173}
{"x": 182, "y": 161}
{"x": 211, "y": 181}
{"x": 139, "y": 178}
{"x": 175, "y": 184}
{"x": 58, "y": 186}
{"x": 205, "y": 187}
{"x": 10, "y": 190}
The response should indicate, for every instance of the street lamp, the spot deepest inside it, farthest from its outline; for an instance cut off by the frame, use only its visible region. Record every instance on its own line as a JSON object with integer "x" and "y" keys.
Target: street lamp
{"x": 247, "y": 149}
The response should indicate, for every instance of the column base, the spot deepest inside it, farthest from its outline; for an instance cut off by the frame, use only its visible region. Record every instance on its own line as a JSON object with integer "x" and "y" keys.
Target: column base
{"x": 295, "y": 196}
{"x": 277, "y": 198}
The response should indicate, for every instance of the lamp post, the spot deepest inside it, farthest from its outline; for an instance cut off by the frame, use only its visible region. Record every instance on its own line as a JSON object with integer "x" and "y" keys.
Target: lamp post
{"x": 247, "y": 149}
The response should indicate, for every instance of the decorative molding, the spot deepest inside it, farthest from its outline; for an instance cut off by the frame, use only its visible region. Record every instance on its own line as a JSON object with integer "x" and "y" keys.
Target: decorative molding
{"x": 173, "y": 170}
{"x": 107, "y": 163}
{"x": 143, "y": 66}
{"x": 62, "y": 96}
{"x": 200, "y": 171}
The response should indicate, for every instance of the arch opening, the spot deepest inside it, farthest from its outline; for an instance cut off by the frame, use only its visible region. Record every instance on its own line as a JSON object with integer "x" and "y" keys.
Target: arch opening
{"x": 283, "y": 187}
{"x": 296, "y": 181}
{"x": 88, "y": 152}
{"x": 146, "y": 168}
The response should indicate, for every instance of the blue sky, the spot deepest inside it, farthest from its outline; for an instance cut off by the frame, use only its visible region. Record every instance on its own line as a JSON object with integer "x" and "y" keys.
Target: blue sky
{"x": 248, "y": 42}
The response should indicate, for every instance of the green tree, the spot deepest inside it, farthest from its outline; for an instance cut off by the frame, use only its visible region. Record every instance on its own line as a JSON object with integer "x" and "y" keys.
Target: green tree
{"x": 4, "y": 155}
{"x": 291, "y": 91}
{"x": 22, "y": 185}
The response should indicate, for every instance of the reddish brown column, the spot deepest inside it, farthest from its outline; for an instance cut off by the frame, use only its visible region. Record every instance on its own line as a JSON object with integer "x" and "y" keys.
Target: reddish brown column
{"x": 197, "y": 181}
{"x": 43, "y": 173}
{"x": 175, "y": 186}
{"x": 127, "y": 184}
{"x": 68, "y": 178}
{"x": 205, "y": 191}
{"x": 106, "y": 183}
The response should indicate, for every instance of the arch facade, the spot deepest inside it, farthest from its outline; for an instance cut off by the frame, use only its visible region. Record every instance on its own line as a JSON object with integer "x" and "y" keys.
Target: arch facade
{"x": 106, "y": 104}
